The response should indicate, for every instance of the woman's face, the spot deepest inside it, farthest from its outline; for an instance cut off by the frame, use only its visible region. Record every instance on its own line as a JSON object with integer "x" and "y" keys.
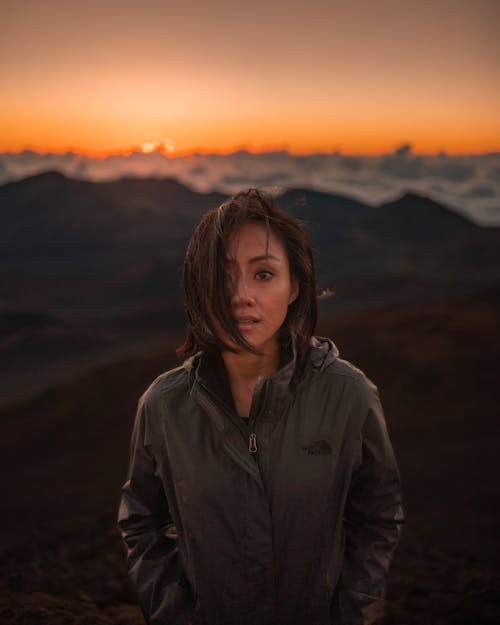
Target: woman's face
{"x": 262, "y": 287}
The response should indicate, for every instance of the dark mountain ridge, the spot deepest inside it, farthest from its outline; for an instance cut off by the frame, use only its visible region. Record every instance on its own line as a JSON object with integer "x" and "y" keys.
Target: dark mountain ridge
{"x": 50, "y": 214}
{"x": 60, "y": 236}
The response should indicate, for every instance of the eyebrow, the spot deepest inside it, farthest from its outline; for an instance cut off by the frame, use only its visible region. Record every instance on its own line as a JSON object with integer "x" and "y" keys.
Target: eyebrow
{"x": 257, "y": 259}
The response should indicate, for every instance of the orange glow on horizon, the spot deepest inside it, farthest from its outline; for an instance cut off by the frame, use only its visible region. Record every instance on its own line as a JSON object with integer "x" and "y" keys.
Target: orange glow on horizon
{"x": 354, "y": 148}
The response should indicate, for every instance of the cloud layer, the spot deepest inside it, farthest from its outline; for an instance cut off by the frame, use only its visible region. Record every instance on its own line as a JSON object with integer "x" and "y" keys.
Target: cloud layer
{"x": 469, "y": 184}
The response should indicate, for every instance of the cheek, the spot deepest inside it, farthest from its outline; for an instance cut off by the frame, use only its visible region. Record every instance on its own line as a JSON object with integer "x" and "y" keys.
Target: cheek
{"x": 279, "y": 302}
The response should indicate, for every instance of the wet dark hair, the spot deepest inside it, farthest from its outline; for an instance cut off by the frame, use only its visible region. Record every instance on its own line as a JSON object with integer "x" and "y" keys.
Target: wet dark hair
{"x": 207, "y": 293}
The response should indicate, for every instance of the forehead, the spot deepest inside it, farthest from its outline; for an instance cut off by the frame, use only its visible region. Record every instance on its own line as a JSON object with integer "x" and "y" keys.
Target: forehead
{"x": 255, "y": 239}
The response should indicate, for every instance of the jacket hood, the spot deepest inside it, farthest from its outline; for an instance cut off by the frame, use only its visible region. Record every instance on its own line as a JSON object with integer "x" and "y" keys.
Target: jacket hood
{"x": 323, "y": 352}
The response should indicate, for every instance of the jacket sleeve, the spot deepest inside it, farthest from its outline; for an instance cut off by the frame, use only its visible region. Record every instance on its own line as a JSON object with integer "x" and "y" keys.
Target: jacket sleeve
{"x": 153, "y": 560}
{"x": 373, "y": 520}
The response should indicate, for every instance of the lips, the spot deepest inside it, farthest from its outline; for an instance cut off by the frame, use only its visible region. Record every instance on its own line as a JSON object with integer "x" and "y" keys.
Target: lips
{"x": 245, "y": 321}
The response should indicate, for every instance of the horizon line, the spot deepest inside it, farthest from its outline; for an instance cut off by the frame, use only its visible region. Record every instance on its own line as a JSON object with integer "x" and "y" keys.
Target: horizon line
{"x": 403, "y": 147}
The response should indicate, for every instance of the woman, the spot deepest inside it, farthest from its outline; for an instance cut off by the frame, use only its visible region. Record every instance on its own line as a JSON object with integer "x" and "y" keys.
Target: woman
{"x": 262, "y": 486}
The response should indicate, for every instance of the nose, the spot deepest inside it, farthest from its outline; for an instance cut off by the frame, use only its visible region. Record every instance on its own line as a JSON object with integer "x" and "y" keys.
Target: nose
{"x": 242, "y": 294}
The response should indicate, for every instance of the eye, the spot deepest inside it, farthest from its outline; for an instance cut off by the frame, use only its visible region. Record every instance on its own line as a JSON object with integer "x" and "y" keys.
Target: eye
{"x": 263, "y": 275}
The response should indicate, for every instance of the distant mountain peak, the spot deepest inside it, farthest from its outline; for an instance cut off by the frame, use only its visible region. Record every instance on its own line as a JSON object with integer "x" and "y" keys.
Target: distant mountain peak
{"x": 421, "y": 207}
{"x": 51, "y": 174}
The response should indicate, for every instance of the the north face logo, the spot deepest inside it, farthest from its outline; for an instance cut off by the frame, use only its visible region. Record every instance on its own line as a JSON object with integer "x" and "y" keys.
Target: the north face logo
{"x": 317, "y": 448}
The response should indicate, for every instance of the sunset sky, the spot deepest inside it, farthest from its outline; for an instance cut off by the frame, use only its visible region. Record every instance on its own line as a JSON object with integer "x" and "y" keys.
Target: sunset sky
{"x": 358, "y": 76}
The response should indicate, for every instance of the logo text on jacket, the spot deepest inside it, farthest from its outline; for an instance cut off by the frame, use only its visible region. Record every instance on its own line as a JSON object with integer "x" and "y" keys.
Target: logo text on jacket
{"x": 316, "y": 448}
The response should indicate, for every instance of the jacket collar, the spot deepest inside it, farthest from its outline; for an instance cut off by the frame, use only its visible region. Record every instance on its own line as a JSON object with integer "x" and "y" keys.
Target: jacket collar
{"x": 208, "y": 371}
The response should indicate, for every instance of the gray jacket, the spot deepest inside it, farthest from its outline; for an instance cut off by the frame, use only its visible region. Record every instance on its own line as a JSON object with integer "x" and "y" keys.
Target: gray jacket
{"x": 290, "y": 518}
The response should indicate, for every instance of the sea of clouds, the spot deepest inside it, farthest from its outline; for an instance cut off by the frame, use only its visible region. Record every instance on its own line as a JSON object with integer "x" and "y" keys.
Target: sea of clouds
{"x": 469, "y": 184}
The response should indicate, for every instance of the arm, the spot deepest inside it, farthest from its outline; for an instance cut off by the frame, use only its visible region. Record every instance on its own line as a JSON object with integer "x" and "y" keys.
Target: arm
{"x": 372, "y": 519}
{"x": 153, "y": 561}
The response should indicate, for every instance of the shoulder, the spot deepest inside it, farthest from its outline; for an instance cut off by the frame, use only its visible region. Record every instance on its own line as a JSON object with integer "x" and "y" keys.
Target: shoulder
{"x": 167, "y": 387}
{"x": 346, "y": 369}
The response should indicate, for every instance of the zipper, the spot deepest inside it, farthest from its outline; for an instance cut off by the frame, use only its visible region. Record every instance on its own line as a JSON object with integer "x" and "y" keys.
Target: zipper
{"x": 259, "y": 390}
{"x": 252, "y": 445}
{"x": 252, "y": 439}
{"x": 205, "y": 399}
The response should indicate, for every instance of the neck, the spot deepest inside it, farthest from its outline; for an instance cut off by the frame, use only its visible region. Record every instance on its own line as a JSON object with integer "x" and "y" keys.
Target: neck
{"x": 243, "y": 370}
{"x": 247, "y": 366}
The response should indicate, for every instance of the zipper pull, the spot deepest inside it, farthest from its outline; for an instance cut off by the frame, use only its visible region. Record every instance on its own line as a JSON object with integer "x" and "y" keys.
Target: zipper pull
{"x": 252, "y": 447}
